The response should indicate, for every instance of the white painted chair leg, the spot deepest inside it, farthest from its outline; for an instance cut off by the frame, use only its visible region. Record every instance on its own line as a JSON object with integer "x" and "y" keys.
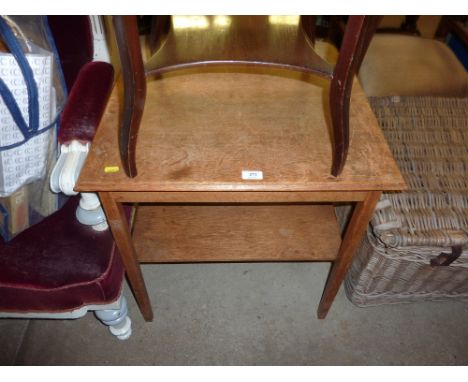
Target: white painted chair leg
{"x": 90, "y": 212}
{"x": 118, "y": 321}
{"x": 64, "y": 177}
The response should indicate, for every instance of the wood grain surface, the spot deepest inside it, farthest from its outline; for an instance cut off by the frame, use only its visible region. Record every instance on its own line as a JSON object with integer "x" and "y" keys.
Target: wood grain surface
{"x": 174, "y": 233}
{"x": 256, "y": 41}
{"x": 239, "y": 197}
{"x": 203, "y": 129}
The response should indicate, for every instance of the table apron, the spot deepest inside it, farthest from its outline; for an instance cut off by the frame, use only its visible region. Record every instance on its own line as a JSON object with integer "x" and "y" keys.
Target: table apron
{"x": 239, "y": 196}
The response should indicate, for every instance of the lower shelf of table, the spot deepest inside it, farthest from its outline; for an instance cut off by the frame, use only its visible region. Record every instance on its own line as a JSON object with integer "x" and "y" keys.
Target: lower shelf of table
{"x": 229, "y": 233}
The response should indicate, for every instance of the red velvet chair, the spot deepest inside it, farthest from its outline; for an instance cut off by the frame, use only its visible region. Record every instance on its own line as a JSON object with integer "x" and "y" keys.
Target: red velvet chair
{"x": 61, "y": 268}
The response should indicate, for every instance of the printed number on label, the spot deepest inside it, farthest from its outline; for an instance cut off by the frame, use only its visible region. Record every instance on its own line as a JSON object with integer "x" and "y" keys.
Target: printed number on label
{"x": 252, "y": 175}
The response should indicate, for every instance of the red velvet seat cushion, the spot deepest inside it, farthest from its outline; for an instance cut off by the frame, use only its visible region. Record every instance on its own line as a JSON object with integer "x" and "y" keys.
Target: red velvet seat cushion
{"x": 59, "y": 265}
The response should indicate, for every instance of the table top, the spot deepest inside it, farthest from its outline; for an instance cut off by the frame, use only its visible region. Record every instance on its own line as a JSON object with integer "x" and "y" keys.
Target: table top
{"x": 202, "y": 127}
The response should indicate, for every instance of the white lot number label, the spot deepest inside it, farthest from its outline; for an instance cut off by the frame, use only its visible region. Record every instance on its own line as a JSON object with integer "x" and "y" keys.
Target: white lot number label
{"x": 252, "y": 175}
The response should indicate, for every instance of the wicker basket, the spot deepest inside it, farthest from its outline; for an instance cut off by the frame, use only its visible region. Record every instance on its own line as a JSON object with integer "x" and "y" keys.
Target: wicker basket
{"x": 429, "y": 139}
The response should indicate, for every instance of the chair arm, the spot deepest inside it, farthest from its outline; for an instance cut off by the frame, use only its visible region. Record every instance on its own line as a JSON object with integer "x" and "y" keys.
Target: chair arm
{"x": 86, "y": 102}
{"x": 68, "y": 167}
{"x": 80, "y": 118}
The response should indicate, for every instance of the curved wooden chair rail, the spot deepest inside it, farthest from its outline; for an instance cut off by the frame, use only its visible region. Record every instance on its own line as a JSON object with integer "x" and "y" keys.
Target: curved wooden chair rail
{"x": 239, "y": 40}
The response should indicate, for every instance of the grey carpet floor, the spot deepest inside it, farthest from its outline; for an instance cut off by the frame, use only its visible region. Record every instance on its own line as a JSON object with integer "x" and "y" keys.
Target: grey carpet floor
{"x": 247, "y": 314}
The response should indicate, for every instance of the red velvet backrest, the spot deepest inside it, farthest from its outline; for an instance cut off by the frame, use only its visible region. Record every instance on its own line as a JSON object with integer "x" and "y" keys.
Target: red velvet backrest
{"x": 74, "y": 41}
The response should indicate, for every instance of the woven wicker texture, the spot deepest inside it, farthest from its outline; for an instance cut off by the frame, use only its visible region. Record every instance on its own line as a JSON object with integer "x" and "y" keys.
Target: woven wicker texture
{"x": 380, "y": 275}
{"x": 429, "y": 140}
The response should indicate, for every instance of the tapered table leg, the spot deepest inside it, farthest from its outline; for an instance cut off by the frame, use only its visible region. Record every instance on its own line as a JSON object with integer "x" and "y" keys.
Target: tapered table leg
{"x": 121, "y": 232}
{"x": 356, "y": 228}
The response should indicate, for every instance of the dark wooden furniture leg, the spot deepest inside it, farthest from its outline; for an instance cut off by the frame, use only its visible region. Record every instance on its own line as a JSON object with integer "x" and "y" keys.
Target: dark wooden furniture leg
{"x": 119, "y": 227}
{"x": 160, "y": 26}
{"x": 308, "y": 26}
{"x": 358, "y": 33}
{"x": 133, "y": 73}
{"x": 356, "y": 228}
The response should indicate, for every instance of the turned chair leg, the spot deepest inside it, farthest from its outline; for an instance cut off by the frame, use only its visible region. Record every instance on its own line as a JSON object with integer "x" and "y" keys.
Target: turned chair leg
{"x": 120, "y": 325}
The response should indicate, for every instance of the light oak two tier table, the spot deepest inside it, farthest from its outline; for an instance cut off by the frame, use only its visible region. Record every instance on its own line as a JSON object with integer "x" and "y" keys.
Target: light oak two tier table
{"x": 199, "y": 132}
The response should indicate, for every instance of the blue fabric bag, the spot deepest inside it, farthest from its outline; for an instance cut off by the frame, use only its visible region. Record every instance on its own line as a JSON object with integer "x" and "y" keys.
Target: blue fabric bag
{"x": 32, "y": 96}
